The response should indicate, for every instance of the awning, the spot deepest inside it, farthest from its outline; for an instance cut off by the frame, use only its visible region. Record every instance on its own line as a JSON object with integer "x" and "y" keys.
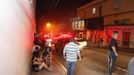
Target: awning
{"x": 94, "y": 23}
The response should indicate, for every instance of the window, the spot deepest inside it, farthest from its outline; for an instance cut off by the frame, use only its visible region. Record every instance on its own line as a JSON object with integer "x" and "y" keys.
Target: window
{"x": 116, "y": 4}
{"x": 93, "y": 10}
{"x": 83, "y": 24}
{"x": 76, "y": 24}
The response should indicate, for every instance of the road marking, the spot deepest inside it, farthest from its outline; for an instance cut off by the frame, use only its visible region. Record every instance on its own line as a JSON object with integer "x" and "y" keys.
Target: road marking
{"x": 122, "y": 69}
{"x": 61, "y": 65}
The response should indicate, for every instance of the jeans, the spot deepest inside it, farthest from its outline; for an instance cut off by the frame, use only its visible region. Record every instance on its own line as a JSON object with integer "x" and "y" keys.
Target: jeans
{"x": 111, "y": 62}
{"x": 70, "y": 68}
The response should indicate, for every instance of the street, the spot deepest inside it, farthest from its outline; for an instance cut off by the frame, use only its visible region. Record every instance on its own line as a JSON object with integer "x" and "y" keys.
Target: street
{"x": 94, "y": 62}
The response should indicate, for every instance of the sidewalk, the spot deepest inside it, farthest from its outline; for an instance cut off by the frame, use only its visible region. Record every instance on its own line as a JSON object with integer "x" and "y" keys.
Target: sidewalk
{"x": 55, "y": 69}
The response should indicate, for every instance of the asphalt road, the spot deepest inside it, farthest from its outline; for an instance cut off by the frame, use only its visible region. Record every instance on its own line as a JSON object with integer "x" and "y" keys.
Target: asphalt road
{"x": 95, "y": 62}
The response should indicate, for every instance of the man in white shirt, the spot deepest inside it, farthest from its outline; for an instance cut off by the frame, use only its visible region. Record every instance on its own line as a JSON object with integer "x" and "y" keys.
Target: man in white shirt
{"x": 71, "y": 52}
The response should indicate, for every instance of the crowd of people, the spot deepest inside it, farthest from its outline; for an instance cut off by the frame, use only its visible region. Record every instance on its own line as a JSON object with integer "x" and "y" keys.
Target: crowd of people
{"x": 41, "y": 53}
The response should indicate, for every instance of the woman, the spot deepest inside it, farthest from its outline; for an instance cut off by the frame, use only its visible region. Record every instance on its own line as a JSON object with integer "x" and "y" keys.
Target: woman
{"x": 37, "y": 63}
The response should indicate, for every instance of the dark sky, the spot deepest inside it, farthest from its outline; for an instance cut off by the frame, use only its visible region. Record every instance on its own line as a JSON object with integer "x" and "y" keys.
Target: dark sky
{"x": 50, "y": 8}
{"x": 57, "y": 10}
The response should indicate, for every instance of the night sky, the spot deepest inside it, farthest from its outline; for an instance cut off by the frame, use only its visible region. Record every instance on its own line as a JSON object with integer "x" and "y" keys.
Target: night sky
{"x": 59, "y": 11}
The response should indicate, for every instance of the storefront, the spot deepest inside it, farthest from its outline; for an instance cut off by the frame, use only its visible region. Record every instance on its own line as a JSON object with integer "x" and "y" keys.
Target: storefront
{"x": 95, "y": 29}
{"x": 125, "y": 35}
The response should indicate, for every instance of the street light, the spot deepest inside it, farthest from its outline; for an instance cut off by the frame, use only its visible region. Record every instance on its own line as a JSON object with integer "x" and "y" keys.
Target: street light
{"x": 48, "y": 25}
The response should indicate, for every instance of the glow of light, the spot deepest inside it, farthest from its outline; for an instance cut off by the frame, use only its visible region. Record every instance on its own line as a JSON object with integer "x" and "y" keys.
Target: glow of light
{"x": 48, "y": 25}
{"x": 82, "y": 44}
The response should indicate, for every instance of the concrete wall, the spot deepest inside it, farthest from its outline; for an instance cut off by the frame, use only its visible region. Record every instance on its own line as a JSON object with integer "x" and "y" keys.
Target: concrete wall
{"x": 86, "y": 11}
{"x": 110, "y": 13}
{"x": 124, "y": 6}
{"x": 125, "y": 11}
{"x": 16, "y": 36}
{"x": 109, "y": 20}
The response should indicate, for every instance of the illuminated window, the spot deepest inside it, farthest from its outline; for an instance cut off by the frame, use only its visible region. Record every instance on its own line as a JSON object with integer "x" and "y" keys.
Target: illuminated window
{"x": 93, "y": 10}
{"x": 83, "y": 24}
{"x": 76, "y": 24}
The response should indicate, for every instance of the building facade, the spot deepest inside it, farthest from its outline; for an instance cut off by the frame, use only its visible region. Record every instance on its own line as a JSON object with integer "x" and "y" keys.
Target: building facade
{"x": 117, "y": 17}
{"x": 92, "y": 15}
{"x": 78, "y": 27}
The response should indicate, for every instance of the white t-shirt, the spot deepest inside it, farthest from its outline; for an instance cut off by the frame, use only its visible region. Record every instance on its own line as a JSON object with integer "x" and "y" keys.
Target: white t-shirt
{"x": 71, "y": 49}
{"x": 49, "y": 41}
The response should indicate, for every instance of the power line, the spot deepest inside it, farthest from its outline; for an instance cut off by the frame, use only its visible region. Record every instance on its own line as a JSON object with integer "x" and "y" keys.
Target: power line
{"x": 56, "y": 4}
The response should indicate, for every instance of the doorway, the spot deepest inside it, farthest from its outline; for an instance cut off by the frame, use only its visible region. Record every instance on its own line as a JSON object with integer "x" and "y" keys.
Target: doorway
{"x": 126, "y": 39}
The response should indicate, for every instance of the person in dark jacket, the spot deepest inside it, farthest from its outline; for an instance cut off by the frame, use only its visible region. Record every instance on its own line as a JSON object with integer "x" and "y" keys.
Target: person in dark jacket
{"x": 112, "y": 52}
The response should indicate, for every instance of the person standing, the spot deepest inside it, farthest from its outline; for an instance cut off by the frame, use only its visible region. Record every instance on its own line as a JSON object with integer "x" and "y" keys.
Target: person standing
{"x": 112, "y": 53}
{"x": 71, "y": 52}
{"x": 48, "y": 49}
{"x": 102, "y": 43}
